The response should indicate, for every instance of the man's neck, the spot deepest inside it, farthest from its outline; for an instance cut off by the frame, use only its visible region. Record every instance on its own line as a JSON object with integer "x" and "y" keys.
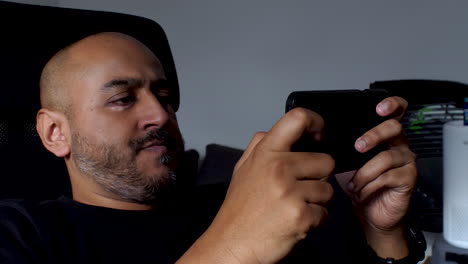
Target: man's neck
{"x": 100, "y": 200}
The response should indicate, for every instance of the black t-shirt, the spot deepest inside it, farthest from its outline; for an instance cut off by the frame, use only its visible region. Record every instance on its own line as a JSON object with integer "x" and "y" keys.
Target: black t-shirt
{"x": 65, "y": 231}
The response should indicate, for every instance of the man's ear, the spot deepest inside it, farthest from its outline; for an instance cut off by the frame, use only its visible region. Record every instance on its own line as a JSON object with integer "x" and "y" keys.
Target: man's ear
{"x": 54, "y": 131}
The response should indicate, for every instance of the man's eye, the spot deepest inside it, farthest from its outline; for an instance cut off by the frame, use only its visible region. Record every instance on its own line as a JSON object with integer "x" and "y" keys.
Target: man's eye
{"x": 164, "y": 96}
{"x": 124, "y": 101}
{"x": 166, "y": 101}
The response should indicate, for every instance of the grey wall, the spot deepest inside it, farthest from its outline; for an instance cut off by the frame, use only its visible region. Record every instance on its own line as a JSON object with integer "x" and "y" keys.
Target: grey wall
{"x": 238, "y": 60}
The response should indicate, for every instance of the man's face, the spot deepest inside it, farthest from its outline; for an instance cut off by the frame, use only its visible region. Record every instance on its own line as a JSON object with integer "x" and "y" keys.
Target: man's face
{"x": 124, "y": 130}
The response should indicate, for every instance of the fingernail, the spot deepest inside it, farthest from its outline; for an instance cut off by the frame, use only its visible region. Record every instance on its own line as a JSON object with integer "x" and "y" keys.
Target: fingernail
{"x": 361, "y": 144}
{"x": 350, "y": 186}
{"x": 383, "y": 107}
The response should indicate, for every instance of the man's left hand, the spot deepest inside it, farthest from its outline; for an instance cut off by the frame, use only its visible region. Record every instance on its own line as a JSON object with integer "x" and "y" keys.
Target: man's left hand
{"x": 381, "y": 190}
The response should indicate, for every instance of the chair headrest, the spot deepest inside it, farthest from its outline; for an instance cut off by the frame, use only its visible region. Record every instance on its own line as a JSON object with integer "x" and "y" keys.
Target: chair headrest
{"x": 30, "y": 36}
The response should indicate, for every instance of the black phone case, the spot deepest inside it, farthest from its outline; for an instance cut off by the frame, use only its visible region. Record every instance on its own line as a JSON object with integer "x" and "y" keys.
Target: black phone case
{"x": 348, "y": 114}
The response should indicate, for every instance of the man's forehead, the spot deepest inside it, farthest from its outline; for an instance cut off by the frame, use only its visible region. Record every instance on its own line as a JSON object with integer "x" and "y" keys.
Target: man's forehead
{"x": 121, "y": 52}
{"x": 120, "y": 57}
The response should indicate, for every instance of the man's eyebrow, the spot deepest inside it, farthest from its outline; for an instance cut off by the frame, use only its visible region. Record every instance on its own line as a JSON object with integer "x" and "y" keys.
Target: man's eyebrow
{"x": 124, "y": 82}
{"x": 133, "y": 82}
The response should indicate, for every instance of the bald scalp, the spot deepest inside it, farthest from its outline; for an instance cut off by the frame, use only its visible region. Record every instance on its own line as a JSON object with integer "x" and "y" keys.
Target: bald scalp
{"x": 65, "y": 66}
{"x": 55, "y": 82}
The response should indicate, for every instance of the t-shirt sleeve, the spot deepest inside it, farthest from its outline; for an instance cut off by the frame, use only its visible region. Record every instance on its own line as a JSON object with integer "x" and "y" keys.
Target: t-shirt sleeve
{"x": 19, "y": 236}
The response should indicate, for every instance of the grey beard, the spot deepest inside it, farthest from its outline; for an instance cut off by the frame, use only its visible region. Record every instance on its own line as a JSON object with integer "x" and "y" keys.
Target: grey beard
{"x": 118, "y": 174}
{"x": 165, "y": 159}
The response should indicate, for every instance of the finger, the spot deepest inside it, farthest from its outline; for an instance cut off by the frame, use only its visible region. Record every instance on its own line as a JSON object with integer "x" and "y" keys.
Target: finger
{"x": 316, "y": 192}
{"x": 313, "y": 217}
{"x": 394, "y": 106}
{"x": 382, "y": 162}
{"x": 290, "y": 128}
{"x": 387, "y": 130}
{"x": 320, "y": 213}
{"x": 401, "y": 180}
{"x": 304, "y": 165}
{"x": 253, "y": 143}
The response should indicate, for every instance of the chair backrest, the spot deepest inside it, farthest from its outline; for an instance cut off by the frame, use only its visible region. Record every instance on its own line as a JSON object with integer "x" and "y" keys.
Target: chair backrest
{"x": 30, "y": 35}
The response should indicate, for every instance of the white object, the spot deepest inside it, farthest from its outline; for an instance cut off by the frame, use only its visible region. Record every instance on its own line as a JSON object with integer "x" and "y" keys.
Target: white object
{"x": 455, "y": 162}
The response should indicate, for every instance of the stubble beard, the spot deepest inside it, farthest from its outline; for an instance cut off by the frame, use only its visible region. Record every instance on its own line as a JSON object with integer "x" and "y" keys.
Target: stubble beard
{"x": 116, "y": 171}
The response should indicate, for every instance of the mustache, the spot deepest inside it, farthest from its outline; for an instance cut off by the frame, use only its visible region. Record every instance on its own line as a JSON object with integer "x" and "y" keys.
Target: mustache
{"x": 155, "y": 134}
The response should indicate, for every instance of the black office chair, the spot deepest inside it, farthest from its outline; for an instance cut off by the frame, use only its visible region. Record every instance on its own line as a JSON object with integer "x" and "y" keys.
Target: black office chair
{"x": 30, "y": 35}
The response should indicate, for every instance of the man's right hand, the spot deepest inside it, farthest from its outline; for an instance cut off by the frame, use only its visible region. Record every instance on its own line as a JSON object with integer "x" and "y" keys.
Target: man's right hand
{"x": 275, "y": 197}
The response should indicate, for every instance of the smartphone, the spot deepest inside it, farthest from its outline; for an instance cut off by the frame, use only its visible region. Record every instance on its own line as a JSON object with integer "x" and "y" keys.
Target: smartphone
{"x": 348, "y": 114}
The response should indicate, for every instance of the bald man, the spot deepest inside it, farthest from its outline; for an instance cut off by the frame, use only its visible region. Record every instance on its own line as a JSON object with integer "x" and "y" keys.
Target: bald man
{"x": 110, "y": 121}
{"x": 107, "y": 111}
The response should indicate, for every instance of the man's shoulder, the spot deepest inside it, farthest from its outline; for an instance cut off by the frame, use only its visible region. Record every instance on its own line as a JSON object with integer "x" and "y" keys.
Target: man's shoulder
{"x": 26, "y": 215}
{"x": 21, "y": 231}
{"x": 18, "y": 207}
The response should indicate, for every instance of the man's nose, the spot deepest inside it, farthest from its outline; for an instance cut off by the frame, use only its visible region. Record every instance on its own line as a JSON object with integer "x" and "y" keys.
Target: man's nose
{"x": 152, "y": 113}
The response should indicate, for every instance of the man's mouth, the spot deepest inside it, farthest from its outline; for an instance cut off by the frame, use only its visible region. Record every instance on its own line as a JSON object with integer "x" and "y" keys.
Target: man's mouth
{"x": 156, "y": 146}
{"x": 155, "y": 141}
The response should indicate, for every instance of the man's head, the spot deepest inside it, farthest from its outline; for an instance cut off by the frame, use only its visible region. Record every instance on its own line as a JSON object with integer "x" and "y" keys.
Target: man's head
{"x": 107, "y": 110}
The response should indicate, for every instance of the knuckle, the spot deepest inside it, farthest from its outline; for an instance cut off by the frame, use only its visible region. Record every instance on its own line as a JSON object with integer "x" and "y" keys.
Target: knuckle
{"x": 413, "y": 173}
{"x": 259, "y": 150}
{"x": 301, "y": 235}
{"x": 280, "y": 187}
{"x": 321, "y": 216}
{"x": 297, "y": 214}
{"x": 259, "y": 135}
{"x": 386, "y": 157}
{"x": 237, "y": 166}
{"x": 395, "y": 125}
{"x": 413, "y": 167}
{"x": 281, "y": 191}
{"x": 328, "y": 191}
{"x": 330, "y": 163}
{"x": 324, "y": 214}
{"x": 279, "y": 167}
{"x": 361, "y": 176}
{"x": 327, "y": 163}
{"x": 412, "y": 155}
{"x": 304, "y": 218}
{"x": 324, "y": 192}
{"x": 260, "y": 154}
{"x": 311, "y": 216}
{"x": 299, "y": 113}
